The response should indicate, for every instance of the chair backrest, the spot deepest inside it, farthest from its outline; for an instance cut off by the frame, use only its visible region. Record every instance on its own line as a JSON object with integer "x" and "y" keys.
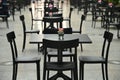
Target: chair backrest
{"x": 53, "y": 20}
{"x": 81, "y": 23}
{"x": 60, "y": 46}
{"x": 22, "y": 18}
{"x": 106, "y": 44}
{"x": 11, "y": 39}
{"x": 55, "y": 31}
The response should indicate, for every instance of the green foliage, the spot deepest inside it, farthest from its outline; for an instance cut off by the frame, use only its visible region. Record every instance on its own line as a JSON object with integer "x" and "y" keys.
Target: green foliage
{"x": 114, "y": 1}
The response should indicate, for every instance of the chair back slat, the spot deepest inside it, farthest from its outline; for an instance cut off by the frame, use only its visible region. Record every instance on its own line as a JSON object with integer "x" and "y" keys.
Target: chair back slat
{"x": 11, "y": 39}
{"x": 60, "y": 44}
{"x": 22, "y": 18}
{"x": 81, "y": 23}
{"x": 106, "y": 44}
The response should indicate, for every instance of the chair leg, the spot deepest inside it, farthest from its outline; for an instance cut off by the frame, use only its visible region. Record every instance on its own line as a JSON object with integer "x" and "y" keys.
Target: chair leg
{"x": 6, "y": 22}
{"x": 69, "y": 23}
{"x": 49, "y": 57}
{"x": 32, "y": 25}
{"x": 106, "y": 71}
{"x": 72, "y": 75}
{"x": 80, "y": 71}
{"x": 14, "y": 77}
{"x": 81, "y": 47}
{"x": 24, "y": 41}
{"x": 75, "y": 74}
{"x": 94, "y": 23}
{"x": 82, "y": 65}
{"x": 16, "y": 68}
{"x": 103, "y": 74}
{"x": 118, "y": 33}
{"x": 38, "y": 47}
{"x": 38, "y": 71}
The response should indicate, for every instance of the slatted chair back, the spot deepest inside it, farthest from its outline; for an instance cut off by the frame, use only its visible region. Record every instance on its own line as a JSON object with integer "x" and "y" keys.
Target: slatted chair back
{"x": 106, "y": 44}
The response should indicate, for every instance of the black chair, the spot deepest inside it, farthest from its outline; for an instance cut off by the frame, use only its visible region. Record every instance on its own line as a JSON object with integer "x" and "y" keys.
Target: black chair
{"x": 80, "y": 29}
{"x": 103, "y": 59}
{"x": 88, "y": 5}
{"x": 83, "y": 17}
{"x": 34, "y": 19}
{"x": 23, "y": 59}
{"x": 112, "y": 17}
{"x": 26, "y": 31}
{"x": 69, "y": 18}
{"x": 96, "y": 13}
{"x": 4, "y": 12}
{"x": 54, "y": 31}
{"x": 53, "y": 20}
{"x": 60, "y": 65}
{"x": 66, "y": 51}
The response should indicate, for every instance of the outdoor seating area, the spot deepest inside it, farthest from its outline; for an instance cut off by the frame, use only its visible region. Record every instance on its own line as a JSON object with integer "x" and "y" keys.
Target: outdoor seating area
{"x": 59, "y": 40}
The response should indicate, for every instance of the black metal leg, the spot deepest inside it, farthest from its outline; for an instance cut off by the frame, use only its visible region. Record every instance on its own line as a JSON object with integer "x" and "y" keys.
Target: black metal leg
{"x": 24, "y": 41}
{"x": 81, "y": 47}
{"x": 103, "y": 74}
{"x": 32, "y": 25}
{"x": 79, "y": 71}
{"x": 94, "y": 23}
{"x": 75, "y": 74}
{"x": 13, "y": 76}
{"x": 82, "y": 65}
{"x": 16, "y": 68}
{"x": 106, "y": 71}
{"x": 70, "y": 23}
{"x": 49, "y": 57}
{"x": 38, "y": 71}
{"x": 38, "y": 46}
{"x": 6, "y": 22}
{"x": 118, "y": 33}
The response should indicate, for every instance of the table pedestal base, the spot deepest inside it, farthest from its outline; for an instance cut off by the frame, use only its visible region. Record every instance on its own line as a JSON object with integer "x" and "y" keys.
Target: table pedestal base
{"x": 60, "y": 74}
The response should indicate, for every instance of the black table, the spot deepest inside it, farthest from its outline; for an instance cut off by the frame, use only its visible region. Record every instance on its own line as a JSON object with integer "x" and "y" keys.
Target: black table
{"x": 38, "y": 38}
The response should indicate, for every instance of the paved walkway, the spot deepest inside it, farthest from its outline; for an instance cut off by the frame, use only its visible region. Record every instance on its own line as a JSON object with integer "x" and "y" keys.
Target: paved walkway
{"x": 28, "y": 72}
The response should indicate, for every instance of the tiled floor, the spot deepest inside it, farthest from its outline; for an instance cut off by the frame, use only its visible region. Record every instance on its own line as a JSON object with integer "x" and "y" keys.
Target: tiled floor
{"x": 28, "y": 71}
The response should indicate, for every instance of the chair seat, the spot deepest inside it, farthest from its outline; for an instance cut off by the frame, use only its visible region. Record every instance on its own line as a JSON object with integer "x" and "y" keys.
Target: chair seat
{"x": 32, "y": 31}
{"x": 60, "y": 66}
{"x": 65, "y": 53}
{"x": 26, "y": 59}
{"x": 91, "y": 59}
